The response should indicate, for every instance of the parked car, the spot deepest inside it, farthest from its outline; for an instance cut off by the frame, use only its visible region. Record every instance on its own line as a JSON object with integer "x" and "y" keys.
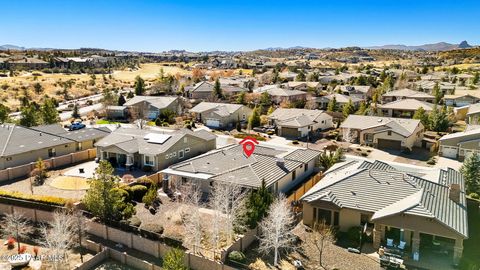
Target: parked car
{"x": 76, "y": 126}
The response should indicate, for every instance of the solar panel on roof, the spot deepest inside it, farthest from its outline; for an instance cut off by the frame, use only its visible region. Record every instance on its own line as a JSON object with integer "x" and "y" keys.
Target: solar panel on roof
{"x": 157, "y": 138}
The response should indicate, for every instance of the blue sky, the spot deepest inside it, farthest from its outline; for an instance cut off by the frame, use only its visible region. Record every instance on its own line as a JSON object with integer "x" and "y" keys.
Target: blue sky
{"x": 235, "y": 25}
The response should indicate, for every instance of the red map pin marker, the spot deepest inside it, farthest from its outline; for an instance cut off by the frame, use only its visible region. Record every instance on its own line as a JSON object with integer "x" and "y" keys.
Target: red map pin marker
{"x": 248, "y": 145}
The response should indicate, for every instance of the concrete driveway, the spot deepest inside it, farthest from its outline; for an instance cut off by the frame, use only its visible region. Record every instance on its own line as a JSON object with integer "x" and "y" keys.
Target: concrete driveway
{"x": 443, "y": 162}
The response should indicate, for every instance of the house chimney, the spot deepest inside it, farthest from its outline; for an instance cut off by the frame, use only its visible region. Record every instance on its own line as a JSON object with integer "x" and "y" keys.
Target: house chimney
{"x": 280, "y": 162}
{"x": 454, "y": 192}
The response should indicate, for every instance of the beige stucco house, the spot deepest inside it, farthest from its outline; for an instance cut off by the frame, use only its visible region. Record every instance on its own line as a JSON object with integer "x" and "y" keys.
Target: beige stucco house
{"x": 221, "y": 115}
{"x": 150, "y": 107}
{"x": 417, "y": 205}
{"x": 153, "y": 150}
{"x": 298, "y": 123}
{"x": 21, "y": 145}
{"x": 383, "y": 132}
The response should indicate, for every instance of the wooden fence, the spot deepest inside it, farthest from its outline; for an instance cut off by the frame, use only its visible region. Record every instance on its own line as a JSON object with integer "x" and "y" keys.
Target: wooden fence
{"x": 297, "y": 194}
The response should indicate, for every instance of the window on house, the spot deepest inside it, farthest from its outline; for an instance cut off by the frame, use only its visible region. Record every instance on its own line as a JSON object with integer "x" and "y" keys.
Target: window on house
{"x": 187, "y": 150}
{"x": 244, "y": 117}
{"x": 185, "y": 139}
{"x": 389, "y": 133}
{"x": 66, "y": 145}
{"x": 306, "y": 166}
{"x": 314, "y": 214}
{"x": 336, "y": 218}
{"x": 79, "y": 146}
{"x": 167, "y": 156}
{"x": 105, "y": 155}
{"x": 324, "y": 215}
{"x": 180, "y": 154}
{"x": 9, "y": 158}
{"x": 294, "y": 175}
{"x": 174, "y": 154}
{"x": 149, "y": 160}
{"x": 51, "y": 152}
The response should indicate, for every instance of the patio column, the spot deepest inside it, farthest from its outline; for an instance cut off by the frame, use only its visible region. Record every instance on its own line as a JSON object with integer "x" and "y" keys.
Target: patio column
{"x": 378, "y": 232}
{"x": 458, "y": 250}
{"x": 416, "y": 242}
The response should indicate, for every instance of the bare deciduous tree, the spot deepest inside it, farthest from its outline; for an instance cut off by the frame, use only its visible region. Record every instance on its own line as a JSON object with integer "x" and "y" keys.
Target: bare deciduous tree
{"x": 61, "y": 234}
{"x": 322, "y": 234}
{"x": 15, "y": 225}
{"x": 191, "y": 216}
{"x": 276, "y": 228}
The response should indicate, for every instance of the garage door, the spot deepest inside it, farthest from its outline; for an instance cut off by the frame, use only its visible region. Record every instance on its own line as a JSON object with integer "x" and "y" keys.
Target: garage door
{"x": 213, "y": 123}
{"x": 389, "y": 144}
{"x": 290, "y": 132}
{"x": 449, "y": 152}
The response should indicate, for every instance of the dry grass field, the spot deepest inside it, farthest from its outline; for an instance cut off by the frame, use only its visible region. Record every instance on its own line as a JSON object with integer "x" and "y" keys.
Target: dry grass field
{"x": 12, "y": 89}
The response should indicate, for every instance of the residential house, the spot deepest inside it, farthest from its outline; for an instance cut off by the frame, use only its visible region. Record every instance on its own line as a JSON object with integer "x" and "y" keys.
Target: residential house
{"x": 279, "y": 95}
{"x": 394, "y": 202}
{"x": 298, "y": 123}
{"x": 21, "y": 145}
{"x": 152, "y": 106}
{"x": 460, "y": 145}
{"x": 407, "y": 94}
{"x": 153, "y": 150}
{"x": 282, "y": 169}
{"x": 221, "y": 115}
{"x": 460, "y": 100}
{"x": 339, "y": 98}
{"x": 405, "y": 108}
{"x": 116, "y": 112}
{"x": 363, "y": 92}
{"x": 302, "y": 86}
{"x": 23, "y": 62}
{"x": 427, "y": 86}
{"x": 382, "y": 132}
{"x": 288, "y": 75}
{"x": 473, "y": 114}
{"x": 204, "y": 90}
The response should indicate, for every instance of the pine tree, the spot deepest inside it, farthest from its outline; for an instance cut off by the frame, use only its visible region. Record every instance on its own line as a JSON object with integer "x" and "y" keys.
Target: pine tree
{"x": 75, "y": 112}
{"x": 217, "y": 89}
{"x": 362, "y": 110}
{"x": 4, "y": 111}
{"x": 437, "y": 93}
{"x": 121, "y": 100}
{"x": 348, "y": 108}
{"x": 49, "y": 112}
{"x": 471, "y": 173}
{"x": 254, "y": 119}
{"x": 476, "y": 78}
{"x": 241, "y": 98}
{"x": 139, "y": 86}
{"x": 30, "y": 116}
{"x": 421, "y": 114}
{"x": 438, "y": 119}
{"x": 257, "y": 205}
{"x": 332, "y": 105}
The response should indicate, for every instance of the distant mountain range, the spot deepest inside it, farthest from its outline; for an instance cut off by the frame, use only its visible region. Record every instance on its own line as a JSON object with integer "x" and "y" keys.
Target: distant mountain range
{"x": 440, "y": 46}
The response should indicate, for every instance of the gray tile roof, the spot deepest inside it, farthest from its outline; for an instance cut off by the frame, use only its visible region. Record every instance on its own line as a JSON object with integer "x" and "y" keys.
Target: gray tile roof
{"x": 230, "y": 164}
{"x": 391, "y": 189}
{"x": 405, "y": 127}
{"x": 295, "y": 117}
{"x": 133, "y": 140}
{"x": 222, "y": 109}
{"x": 407, "y": 93}
{"x": 407, "y": 104}
{"x": 18, "y": 139}
{"x": 155, "y": 101}
{"x": 208, "y": 87}
{"x": 277, "y": 91}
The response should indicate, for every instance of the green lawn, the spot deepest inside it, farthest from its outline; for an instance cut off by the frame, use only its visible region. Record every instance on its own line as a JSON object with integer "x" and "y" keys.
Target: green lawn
{"x": 471, "y": 251}
{"x": 104, "y": 122}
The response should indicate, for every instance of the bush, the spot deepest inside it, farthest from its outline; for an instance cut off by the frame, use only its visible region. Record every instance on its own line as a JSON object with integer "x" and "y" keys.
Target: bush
{"x": 36, "y": 198}
{"x": 243, "y": 135}
{"x": 474, "y": 195}
{"x": 124, "y": 193}
{"x": 295, "y": 142}
{"x": 138, "y": 191}
{"x": 135, "y": 221}
{"x": 364, "y": 154}
{"x": 174, "y": 260}
{"x": 431, "y": 161}
{"x": 150, "y": 196}
{"x": 354, "y": 236}
{"x": 145, "y": 181}
{"x": 237, "y": 256}
{"x": 153, "y": 227}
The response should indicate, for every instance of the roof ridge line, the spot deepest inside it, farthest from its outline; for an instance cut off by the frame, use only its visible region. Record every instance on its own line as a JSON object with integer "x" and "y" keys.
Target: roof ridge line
{"x": 8, "y": 140}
